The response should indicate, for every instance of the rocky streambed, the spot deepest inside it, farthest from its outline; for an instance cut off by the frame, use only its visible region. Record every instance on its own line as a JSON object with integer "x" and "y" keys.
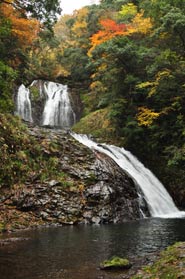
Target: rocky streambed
{"x": 92, "y": 188}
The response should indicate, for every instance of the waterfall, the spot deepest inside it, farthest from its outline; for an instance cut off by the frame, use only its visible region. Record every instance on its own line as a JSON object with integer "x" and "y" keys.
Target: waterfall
{"x": 57, "y": 111}
{"x": 159, "y": 202}
{"x": 24, "y": 104}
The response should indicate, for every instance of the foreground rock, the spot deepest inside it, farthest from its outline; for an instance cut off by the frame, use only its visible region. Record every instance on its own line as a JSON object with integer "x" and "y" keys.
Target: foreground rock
{"x": 115, "y": 263}
{"x": 92, "y": 189}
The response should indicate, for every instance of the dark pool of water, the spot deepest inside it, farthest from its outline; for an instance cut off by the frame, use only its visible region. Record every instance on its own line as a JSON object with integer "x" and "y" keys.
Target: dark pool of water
{"x": 75, "y": 252}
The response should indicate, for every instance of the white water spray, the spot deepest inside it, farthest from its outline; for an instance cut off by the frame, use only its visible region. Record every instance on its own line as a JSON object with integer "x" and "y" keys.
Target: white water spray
{"x": 24, "y": 104}
{"x": 58, "y": 111}
{"x": 159, "y": 202}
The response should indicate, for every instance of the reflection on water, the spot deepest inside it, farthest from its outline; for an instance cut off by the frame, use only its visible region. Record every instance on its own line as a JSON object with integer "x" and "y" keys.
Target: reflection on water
{"x": 75, "y": 252}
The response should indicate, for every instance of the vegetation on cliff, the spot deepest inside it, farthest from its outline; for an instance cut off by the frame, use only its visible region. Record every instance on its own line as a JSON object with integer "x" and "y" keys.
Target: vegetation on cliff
{"x": 22, "y": 157}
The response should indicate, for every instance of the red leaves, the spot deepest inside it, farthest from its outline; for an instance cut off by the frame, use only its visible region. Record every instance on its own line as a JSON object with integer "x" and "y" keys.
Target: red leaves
{"x": 109, "y": 30}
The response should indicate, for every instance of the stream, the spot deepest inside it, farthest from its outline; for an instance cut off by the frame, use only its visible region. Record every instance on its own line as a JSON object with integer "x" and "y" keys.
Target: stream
{"x": 74, "y": 252}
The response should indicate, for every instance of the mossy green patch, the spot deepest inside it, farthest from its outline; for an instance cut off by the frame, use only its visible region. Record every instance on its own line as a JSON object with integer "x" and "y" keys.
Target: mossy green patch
{"x": 116, "y": 263}
{"x": 96, "y": 123}
{"x": 35, "y": 94}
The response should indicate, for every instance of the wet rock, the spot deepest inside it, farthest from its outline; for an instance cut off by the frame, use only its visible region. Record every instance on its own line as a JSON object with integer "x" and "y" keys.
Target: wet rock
{"x": 53, "y": 183}
{"x": 11, "y": 240}
{"x": 94, "y": 189}
{"x": 44, "y": 215}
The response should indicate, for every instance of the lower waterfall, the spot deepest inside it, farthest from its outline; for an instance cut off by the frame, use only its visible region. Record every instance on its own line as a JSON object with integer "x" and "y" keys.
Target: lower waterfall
{"x": 159, "y": 202}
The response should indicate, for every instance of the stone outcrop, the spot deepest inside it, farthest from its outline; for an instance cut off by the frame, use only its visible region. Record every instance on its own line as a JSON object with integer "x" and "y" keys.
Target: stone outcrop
{"x": 95, "y": 190}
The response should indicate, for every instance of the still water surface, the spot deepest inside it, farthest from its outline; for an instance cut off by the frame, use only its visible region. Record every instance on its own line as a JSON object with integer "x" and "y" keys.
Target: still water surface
{"x": 75, "y": 252}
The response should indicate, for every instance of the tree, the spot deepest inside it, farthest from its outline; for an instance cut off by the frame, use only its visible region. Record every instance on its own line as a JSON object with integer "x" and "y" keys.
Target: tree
{"x": 23, "y": 29}
{"x": 44, "y": 10}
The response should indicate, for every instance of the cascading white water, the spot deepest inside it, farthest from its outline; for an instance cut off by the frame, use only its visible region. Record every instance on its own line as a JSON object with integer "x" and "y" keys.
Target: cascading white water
{"x": 24, "y": 104}
{"x": 159, "y": 202}
{"x": 58, "y": 110}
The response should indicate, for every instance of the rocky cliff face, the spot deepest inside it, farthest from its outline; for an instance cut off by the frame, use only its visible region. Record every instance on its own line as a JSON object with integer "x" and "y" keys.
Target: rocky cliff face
{"x": 95, "y": 189}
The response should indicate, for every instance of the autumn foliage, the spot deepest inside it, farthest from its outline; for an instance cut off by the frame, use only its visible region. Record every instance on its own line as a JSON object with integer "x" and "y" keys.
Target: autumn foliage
{"x": 109, "y": 29}
{"x": 24, "y": 29}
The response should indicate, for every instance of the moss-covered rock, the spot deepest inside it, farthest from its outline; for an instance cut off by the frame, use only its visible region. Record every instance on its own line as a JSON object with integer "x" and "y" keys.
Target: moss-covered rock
{"x": 115, "y": 263}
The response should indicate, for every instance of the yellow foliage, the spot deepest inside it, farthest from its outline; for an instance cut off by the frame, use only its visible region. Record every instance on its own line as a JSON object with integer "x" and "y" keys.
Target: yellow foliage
{"x": 163, "y": 74}
{"x": 128, "y": 10}
{"x": 140, "y": 24}
{"x": 97, "y": 86}
{"x": 79, "y": 27}
{"x": 145, "y": 84}
{"x": 153, "y": 85}
{"x": 146, "y": 116}
{"x": 102, "y": 67}
{"x": 159, "y": 76}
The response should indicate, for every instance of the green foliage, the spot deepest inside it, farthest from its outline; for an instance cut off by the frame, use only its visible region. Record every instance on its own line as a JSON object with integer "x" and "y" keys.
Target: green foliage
{"x": 35, "y": 94}
{"x": 7, "y": 77}
{"x": 22, "y": 157}
{"x": 100, "y": 128}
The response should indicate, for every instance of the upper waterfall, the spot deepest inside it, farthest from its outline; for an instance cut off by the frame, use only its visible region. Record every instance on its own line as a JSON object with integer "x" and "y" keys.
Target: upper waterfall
{"x": 45, "y": 103}
{"x": 24, "y": 104}
{"x": 57, "y": 111}
{"x": 159, "y": 202}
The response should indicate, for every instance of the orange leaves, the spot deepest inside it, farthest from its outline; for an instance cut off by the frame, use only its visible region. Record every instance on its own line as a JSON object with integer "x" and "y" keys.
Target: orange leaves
{"x": 111, "y": 26}
{"x": 24, "y": 29}
{"x": 110, "y": 29}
